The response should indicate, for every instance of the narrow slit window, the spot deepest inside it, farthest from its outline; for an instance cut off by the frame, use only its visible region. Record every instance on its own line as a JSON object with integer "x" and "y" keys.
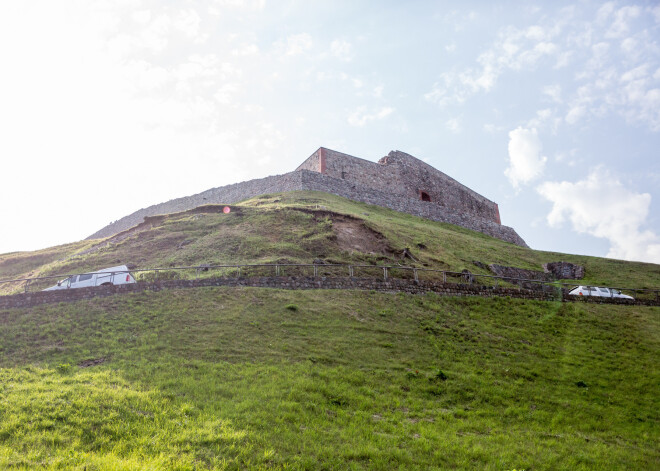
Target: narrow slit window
{"x": 424, "y": 196}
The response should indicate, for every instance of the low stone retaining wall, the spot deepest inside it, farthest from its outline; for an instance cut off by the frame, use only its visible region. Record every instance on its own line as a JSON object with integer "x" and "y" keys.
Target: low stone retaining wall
{"x": 24, "y": 300}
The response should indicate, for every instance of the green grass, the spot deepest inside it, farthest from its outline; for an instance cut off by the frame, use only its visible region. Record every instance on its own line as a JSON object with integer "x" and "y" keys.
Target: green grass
{"x": 221, "y": 378}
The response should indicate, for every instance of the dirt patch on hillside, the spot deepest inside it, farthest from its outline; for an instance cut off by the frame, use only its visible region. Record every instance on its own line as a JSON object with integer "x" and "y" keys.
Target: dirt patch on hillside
{"x": 91, "y": 362}
{"x": 353, "y": 235}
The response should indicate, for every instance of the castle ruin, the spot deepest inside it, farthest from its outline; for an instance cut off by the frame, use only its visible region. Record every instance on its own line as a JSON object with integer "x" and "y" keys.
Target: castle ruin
{"x": 397, "y": 181}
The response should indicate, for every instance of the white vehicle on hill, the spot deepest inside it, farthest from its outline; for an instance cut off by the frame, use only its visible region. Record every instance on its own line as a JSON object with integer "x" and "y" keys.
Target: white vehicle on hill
{"x": 598, "y": 291}
{"x": 118, "y": 275}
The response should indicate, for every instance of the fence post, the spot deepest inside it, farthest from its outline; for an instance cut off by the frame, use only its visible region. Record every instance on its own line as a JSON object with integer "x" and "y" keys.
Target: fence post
{"x": 351, "y": 271}
{"x": 444, "y": 277}
{"x": 415, "y": 273}
{"x": 385, "y": 273}
{"x": 239, "y": 272}
{"x": 277, "y": 270}
{"x": 316, "y": 271}
{"x": 27, "y": 284}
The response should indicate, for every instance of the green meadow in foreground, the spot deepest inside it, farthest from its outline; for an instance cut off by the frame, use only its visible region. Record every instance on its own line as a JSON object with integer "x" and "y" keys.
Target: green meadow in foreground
{"x": 222, "y": 378}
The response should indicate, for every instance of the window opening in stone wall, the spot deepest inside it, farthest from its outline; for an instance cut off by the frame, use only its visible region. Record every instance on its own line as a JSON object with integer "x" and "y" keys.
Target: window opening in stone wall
{"x": 424, "y": 196}
{"x": 343, "y": 175}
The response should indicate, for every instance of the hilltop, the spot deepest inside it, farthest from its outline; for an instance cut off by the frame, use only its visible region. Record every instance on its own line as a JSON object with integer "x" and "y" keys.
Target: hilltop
{"x": 397, "y": 181}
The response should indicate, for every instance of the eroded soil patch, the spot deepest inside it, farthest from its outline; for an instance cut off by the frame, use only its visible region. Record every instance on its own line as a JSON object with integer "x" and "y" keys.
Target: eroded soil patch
{"x": 91, "y": 362}
{"x": 353, "y": 235}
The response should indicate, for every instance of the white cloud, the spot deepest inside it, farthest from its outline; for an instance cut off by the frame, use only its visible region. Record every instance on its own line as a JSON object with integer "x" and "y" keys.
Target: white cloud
{"x": 621, "y": 23}
{"x": 600, "y": 50}
{"x": 454, "y": 125}
{"x": 604, "y": 12}
{"x": 554, "y": 92}
{"x": 241, "y": 4}
{"x": 360, "y": 116}
{"x": 491, "y": 128}
{"x": 515, "y": 49}
{"x": 525, "y": 160}
{"x": 298, "y": 44}
{"x": 601, "y": 206}
{"x": 629, "y": 45}
{"x": 245, "y": 50}
{"x": 542, "y": 116}
{"x": 155, "y": 32}
{"x": 141, "y": 16}
{"x": 575, "y": 114}
{"x": 342, "y": 50}
{"x": 225, "y": 93}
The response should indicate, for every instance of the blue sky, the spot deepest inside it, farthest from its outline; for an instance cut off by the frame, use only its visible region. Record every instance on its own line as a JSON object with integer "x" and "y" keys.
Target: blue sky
{"x": 550, "y": 109}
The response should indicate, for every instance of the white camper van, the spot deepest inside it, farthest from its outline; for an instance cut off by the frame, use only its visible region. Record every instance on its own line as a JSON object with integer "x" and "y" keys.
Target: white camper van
{"x": 118, "y": 275}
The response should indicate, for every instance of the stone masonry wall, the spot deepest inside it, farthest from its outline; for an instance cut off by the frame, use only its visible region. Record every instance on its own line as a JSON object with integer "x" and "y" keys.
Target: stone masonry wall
{"x": 404, "y": 175}
{"x": 309, "y": 180}
{"x": 416, "y": 176}
{"x": 319, "y": 182}
{"x": 513, "y": 272}
{"x": 25, "y": 300}
{"x": 564, "y": 270}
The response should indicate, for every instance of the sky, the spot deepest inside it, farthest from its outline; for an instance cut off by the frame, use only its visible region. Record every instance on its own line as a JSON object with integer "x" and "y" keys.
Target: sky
{"x": 550, "y": 109}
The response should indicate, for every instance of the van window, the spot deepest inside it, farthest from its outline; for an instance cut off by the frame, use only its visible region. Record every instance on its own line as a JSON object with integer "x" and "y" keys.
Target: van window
{"x": 604, "y": 290}
{"x": 85, "y": 277}
{"x": 74, "y": 278}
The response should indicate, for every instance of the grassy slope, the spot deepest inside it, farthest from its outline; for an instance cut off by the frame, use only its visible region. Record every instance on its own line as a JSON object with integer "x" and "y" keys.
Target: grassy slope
{"x": 220, "y": 378}
{"x": 270, "y": 229}
{"x": 234, "y": 379}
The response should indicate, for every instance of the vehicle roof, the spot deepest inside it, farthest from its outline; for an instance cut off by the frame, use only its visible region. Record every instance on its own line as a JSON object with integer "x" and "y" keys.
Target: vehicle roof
{"x": 117, "y": 268}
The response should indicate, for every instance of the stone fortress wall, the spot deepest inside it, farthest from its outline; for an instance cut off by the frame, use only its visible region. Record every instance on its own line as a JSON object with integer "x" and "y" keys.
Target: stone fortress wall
{"x": 404, "y": 175}
{"x": 398, "y": 181}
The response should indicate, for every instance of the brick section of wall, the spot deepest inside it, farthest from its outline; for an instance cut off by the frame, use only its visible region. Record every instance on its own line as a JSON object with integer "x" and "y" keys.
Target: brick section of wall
{"x": 25, "y": 300}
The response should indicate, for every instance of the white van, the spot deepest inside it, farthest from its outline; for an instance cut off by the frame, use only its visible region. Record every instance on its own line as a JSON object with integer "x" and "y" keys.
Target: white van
{"x": 118, "y": 275}
{"x": 598, "y": 291}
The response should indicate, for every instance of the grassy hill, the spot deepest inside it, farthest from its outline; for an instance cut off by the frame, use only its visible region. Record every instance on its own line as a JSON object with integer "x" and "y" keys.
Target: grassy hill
{"x": 299, "y": 227}
{"x": 247, "y": 378}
